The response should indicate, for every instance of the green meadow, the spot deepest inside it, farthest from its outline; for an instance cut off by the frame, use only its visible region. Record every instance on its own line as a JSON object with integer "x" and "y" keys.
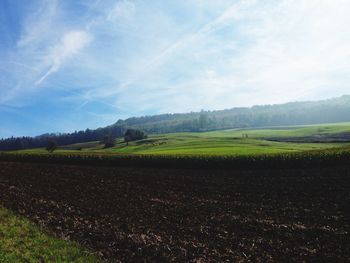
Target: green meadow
{"x": 226, "y": 142}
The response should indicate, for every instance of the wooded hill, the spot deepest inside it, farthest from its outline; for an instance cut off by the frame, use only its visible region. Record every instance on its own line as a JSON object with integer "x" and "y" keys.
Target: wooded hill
{"x": 293, "y": 113}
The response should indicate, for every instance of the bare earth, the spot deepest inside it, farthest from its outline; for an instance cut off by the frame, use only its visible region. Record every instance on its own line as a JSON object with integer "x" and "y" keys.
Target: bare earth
{"x": 159, "y": 215}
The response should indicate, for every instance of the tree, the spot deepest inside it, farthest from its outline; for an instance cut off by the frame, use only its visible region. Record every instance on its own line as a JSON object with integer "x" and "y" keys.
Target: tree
{"x": 51, "y": 146}
{"x": 134, "y": 135}
{"x": 127, "y": 139}
{"x": 108, "y": 141}
{"x": 203, "y": 120}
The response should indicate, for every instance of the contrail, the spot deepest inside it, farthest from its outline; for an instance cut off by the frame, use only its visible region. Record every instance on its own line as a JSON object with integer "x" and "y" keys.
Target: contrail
{"x": 208, "y": 28}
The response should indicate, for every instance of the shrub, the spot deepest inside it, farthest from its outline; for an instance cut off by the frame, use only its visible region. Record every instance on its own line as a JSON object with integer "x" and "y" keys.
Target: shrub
{"x": 51, "y": 146}
{"x": 134, "y": 135}
{"x": 108, "y": 141}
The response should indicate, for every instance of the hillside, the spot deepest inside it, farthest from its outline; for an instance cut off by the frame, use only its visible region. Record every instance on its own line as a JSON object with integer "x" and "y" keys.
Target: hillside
{"x": 294, "y": 113}
{"x": 236, "y": 142}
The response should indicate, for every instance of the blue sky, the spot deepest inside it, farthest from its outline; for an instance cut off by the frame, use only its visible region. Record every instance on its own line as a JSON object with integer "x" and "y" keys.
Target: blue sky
{"x": 70, "y": 65}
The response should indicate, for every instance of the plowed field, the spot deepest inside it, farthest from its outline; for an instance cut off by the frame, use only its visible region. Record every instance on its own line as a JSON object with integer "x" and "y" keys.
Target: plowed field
{"x": 160, "y": 215}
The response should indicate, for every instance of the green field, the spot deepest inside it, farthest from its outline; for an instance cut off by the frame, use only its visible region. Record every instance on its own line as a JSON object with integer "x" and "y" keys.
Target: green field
{"x": 21, "y": 241}
{"x": 227, "y": 142}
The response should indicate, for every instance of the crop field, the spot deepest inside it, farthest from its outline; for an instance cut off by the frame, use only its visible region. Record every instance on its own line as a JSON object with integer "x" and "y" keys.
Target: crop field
{"x": 187, "y": 215}
{"x": 271, "y": 140}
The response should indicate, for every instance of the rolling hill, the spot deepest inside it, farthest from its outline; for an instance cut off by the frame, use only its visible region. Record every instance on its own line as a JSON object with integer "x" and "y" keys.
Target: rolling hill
{"x": 294, "y": 113}
{"x": 226, "y": 142}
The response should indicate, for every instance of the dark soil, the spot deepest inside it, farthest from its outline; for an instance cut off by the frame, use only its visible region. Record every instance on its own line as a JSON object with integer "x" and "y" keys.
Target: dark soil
{"x": 158, "y": 215}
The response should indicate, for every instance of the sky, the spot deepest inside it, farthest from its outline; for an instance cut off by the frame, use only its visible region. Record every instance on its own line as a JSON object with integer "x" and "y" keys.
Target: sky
{"x": 70, "y": 65}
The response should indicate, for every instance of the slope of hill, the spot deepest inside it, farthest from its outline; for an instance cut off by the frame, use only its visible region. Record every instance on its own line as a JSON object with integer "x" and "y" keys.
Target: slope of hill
{"x": 224, "y": 143}
{"x": 294, "y": 113}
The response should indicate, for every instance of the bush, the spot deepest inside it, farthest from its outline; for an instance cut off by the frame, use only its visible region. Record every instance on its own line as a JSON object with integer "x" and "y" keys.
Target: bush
{"x": 108, "y": 141}
{"x": 51, "y": 146}
{"x": 134, "y": 135}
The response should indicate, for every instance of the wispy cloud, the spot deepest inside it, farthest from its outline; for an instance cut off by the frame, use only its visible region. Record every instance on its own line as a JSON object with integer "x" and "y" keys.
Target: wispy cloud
{"x": 71, "y": 43}
{"x": 257, "y": 53}
{"x": 37, "y": 27}
{"x": 131, "y": 57}
{"x": 44, "y": 45}
{"x": 121, "y": 11}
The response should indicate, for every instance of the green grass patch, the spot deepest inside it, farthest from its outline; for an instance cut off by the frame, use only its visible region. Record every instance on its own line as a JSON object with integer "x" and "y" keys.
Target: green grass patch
{"x": 227, "y": 142}
{"x": 216, "y": 146}
{"x": 22, "y": 241}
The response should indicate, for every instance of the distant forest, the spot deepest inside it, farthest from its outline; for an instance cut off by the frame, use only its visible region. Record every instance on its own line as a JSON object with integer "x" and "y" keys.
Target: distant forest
{"x": 294, "y": 113}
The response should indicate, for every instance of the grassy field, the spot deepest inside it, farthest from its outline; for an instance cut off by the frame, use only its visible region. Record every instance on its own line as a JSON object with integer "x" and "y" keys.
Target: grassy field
{"x": 227, "y": 142}
{"x": 21, "y": 241}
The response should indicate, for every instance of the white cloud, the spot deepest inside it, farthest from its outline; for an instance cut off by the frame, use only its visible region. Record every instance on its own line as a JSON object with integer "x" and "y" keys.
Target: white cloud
{"x": 37, "y": 27}
{"x": 189, "y": 55}
{"x": 48, "y": 39}
{"x": 71, "y": 44}
{"x": 270, "y": 52}
{"x": 122, "y": 10}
